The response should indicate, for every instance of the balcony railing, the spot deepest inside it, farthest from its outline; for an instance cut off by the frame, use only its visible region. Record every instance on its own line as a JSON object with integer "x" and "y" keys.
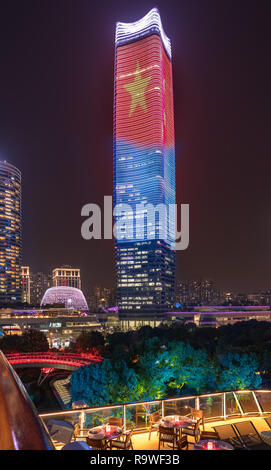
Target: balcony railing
{"x": 216, "y": 406}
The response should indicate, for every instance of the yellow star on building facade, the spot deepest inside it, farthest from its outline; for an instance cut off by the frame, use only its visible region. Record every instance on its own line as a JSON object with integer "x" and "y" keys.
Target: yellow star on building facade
{"x": 137, "y": 90}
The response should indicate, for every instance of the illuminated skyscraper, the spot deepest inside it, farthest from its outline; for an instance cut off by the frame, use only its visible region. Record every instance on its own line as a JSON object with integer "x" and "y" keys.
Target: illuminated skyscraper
{"x": 10, "y": 233}
{"x": 144, "y": 165}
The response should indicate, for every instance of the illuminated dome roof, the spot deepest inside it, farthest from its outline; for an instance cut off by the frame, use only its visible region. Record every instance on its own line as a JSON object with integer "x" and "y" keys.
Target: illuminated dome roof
{"x": 70, "y": 296}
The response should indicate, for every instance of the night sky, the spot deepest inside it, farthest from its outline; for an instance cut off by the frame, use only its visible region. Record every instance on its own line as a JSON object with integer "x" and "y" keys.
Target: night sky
{"x": 56, "y": 99}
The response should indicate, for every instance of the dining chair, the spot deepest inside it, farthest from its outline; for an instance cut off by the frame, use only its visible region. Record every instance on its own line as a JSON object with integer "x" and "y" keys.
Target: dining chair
{"x": 198, "y": 415}
{"x": 124, "y": 444}
{"x": 167, "y": 435}
{"x": 154, "y": 419}
{"x": 193, "y": 430}
{"x": 116, "y": 422}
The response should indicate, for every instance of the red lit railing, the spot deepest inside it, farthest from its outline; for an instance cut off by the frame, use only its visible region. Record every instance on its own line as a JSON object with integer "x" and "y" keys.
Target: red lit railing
{"x": 20, "y": 426}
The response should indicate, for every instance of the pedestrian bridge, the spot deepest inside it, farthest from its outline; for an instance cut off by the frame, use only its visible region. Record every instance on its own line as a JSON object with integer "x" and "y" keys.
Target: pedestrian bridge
{"x": 56, "y": 360}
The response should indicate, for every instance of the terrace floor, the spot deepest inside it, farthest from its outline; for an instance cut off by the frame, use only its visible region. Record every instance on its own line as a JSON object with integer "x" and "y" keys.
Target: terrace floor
{"x": 141, "y": 439}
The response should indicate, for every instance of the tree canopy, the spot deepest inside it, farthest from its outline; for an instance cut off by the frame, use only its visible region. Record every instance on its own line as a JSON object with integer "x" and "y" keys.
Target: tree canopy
{"x": 89, "y": 341}
{"x": 238, "y": 371}
{"x": 104, "y": 383}
{"x": 155, "y": 363}
{"x": 30, "y": 341}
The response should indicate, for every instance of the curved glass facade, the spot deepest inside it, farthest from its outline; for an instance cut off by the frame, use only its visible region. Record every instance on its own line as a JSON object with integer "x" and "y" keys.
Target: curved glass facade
{"x": 144, "y": 165}
{"x": 10, "y": 233}
{"x": 69, "y": 296}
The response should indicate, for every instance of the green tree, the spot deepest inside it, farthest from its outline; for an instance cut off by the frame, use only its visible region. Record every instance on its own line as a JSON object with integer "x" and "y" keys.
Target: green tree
{"x": 238, "y": 371}
{"x": 152, "y": 376}
{"x": 104, "y": 383}
{"x": 165, "y": 370}
{"x": 190, "y": 368}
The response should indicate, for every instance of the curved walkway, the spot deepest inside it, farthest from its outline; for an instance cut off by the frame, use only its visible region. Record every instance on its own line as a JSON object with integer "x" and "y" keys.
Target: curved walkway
{"x": 56, "y": 360}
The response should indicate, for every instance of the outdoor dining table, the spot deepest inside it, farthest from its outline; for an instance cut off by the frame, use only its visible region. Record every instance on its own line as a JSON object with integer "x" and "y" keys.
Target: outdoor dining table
{"x": 106, "y": 432}
{"x": 177, "y": 422}
{"x": 212, "y": 444}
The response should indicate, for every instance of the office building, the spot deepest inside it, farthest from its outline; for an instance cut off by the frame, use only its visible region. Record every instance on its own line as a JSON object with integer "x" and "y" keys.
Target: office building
{"x": 10, "y": 233}
{"x": 66, "y": 276}
{"x": 196, "y": 292}
{"x": 39, "y": 283}
{"x": 144, "y": 166}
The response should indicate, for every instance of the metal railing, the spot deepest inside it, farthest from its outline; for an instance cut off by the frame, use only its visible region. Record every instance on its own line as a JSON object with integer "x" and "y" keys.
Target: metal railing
{"x": 216, "y": 406}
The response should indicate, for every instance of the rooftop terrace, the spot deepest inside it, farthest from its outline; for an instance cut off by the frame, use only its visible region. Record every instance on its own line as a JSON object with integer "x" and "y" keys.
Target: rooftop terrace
{"x": 239, "y": 418}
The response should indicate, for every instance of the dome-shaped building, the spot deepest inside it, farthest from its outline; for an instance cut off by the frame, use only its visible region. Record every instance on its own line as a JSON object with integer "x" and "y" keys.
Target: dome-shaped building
{"x": 69, "y": 296}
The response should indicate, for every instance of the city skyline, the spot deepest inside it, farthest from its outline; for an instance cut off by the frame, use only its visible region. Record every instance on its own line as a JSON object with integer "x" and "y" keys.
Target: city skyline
{"x": 222, "y": 156}
{"x": 123, "y": 157}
